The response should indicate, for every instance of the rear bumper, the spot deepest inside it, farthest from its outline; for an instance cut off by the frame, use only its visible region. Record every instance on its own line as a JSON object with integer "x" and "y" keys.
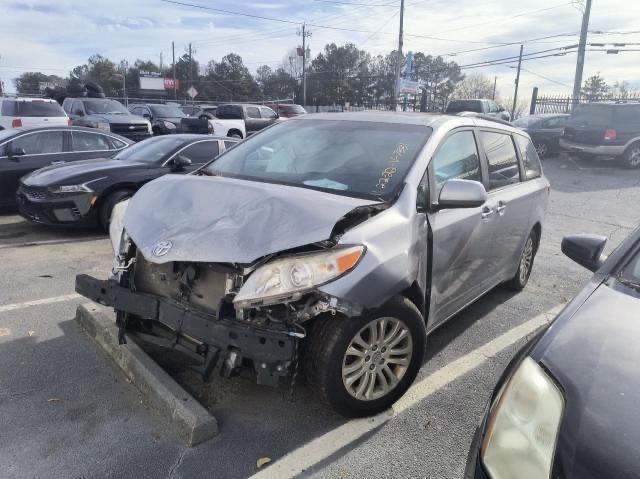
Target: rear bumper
{"x": 72, "y": 210}
{"x": 596, "y": 150}
{"x": 272, "y": 351}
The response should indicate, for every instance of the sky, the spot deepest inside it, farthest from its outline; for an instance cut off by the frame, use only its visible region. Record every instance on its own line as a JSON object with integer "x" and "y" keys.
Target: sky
{"x": 53, "y": 37}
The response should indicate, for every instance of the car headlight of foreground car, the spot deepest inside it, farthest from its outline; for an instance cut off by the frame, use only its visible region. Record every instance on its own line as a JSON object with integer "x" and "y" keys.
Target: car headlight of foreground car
{"x": 58, "y": 190}
{"x": 285, "y": 277}
{"x": 523, "y": 424}
{"x": 116, "y": 226}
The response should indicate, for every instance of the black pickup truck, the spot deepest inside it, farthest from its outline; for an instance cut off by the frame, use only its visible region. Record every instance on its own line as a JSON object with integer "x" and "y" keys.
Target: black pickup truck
{"x": 167, "y": 119}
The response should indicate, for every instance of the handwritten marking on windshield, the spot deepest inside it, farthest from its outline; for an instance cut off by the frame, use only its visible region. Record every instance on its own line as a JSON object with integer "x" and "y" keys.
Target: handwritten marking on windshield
{"x": 389, "y": 171}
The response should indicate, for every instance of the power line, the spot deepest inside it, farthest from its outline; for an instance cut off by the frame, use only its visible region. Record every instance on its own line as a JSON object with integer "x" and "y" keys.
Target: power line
{"x": 362, "y": 4}
{"x": 230, "y": 12}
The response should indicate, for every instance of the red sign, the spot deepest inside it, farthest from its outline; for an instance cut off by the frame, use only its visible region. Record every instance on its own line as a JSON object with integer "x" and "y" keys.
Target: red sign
{"x": 169, "y": 84}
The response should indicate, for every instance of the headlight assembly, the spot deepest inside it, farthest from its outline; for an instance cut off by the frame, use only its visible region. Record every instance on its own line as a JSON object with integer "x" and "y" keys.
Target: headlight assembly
{"x": 168, "y": 125}
{"x": 103, "y": 126}
{"x": 286, "y": 277}
{"x": 523, "y": 425}
{"x": 70, "y": 189}
{"x": 116, "y": 225}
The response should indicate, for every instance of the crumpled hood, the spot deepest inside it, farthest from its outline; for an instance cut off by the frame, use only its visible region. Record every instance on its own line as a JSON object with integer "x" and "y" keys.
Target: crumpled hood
{"x": 225, "y": 220}
{"x": 594, "y": 356}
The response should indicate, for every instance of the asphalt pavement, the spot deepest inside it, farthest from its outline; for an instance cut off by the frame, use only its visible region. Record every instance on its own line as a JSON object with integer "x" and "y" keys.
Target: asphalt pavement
{"x": 68, "y": 412}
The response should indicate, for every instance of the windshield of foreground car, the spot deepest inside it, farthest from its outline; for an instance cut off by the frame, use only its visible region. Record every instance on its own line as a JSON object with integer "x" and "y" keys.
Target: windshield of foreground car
{"x": 151, "y": 150}
{"x": 353, "y": 158}
{"x": 104, "y": 106}
{"x": 167, "y": 111}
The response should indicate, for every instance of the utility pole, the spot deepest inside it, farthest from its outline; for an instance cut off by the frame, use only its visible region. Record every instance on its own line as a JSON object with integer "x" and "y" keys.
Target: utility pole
{"x": 399, "y": 65}
{"x": 160, "y": 62}
{"x": 125, "y": 67}
{"x": 495, "y": 80}
{"x": 515, "y": 93}
{"x": 304, "y": 34}
{"x": 190, "y": 70}
{"x": 175, "y": 80}
{"x": 577, "y": 82}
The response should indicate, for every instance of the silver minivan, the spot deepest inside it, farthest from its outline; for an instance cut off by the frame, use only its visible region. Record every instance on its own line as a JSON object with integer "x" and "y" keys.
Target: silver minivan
{"x": 332, "y": 243}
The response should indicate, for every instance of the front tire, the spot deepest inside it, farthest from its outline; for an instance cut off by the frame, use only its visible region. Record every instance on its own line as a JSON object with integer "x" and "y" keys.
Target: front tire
{"x": 235, "y": 134}
{"x": 106, "y": 208}
{"x": 525, "y": 265}
{"x": 361, "y": 365}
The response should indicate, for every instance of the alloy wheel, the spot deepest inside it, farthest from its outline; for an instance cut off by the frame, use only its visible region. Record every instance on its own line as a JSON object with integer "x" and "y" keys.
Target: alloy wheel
{"x": 377, "y": 358}
{"x": 542, "y": 149}
{"x": 526, "y": 260}
{"x": 634, "y": 157}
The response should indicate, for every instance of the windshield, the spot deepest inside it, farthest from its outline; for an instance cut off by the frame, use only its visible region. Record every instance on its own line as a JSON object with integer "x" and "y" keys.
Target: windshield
{"x": 526, "y": 121}
{"x": 167, "y": 111}
{"x": 354, "y": 158}
{"x": 151, "y": 150}
{"x": 458, "y": 106}
{"x": 592, "y": 115}
{"x": 104, "y": 106}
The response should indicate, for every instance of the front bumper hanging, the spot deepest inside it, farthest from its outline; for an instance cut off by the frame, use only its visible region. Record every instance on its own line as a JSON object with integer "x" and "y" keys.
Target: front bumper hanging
{"x": 272, "y": 351}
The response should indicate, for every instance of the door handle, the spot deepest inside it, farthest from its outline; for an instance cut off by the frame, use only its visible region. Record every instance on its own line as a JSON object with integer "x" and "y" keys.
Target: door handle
{"x": 501, "y": 207}
{"x": 487, "y": 212}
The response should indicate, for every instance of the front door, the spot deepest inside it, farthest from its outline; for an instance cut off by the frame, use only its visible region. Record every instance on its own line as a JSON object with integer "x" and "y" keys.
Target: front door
{"x": 25, "y": 154}
{"x": 461, "y": 267}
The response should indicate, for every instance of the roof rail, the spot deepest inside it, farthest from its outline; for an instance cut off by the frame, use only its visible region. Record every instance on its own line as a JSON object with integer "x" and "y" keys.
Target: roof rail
{"x": 482, "y": 116}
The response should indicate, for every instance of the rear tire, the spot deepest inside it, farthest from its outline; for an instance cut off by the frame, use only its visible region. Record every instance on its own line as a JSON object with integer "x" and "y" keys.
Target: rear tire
{"x": 104, "y": 214}
{"x": 631, "y": 157}
{"x": 525, "y": 265}
{"x": 543, "y": 148}
{"x": 235, "y": 134}
{"x": 361, "y": 365}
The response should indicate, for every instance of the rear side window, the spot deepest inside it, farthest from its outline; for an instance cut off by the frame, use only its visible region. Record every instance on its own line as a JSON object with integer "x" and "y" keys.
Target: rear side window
{"x": 229, "y": 112}
{"x": 592, "y": 115}
{"x": 457, "y": 158}
{"x": 253, "y": 112}
{"x": 201, "y": 152}
{"x": 85, "y": 141}
{"x": 40, "y": 143}
{"x": 530, "y": 159}
{"x": 35, "y": 108}
{"x": 628, "y": 116}
{"x": 268, "y": 113}
{"x": 502, "y": 158}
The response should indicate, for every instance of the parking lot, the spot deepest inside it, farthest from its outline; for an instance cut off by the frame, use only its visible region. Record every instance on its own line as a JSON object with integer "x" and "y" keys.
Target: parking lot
{"x": 68, "y": 412}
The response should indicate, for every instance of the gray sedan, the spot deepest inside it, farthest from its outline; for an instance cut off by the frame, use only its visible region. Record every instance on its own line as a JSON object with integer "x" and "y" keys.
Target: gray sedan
{"x": 330, "y": 242}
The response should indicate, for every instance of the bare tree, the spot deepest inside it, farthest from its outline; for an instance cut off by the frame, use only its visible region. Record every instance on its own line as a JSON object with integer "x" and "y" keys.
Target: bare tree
{"x": 292, "y": 62}
{"x": 474, "y": 86}
{"x": 522, "y": 106}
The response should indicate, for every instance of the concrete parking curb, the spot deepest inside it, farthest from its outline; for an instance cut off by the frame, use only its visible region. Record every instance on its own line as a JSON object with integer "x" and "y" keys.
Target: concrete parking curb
{"x": 191, "y": 421}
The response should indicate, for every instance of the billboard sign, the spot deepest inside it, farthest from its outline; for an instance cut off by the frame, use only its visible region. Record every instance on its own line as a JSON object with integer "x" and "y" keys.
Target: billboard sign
{"x": 409, "y": 87}
{"x": 155, "y": 81}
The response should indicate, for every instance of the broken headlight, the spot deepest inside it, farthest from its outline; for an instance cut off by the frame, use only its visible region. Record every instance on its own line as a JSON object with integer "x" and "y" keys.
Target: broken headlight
{"x": 116, "y": 225}
{"x": 285, "y": 277}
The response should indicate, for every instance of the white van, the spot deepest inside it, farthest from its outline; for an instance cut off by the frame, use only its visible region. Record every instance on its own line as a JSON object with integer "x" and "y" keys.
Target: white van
{"x": 19, "y": 112}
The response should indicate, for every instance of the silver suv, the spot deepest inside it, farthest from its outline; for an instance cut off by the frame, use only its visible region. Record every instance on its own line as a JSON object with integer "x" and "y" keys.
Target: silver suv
{"x": 333, "y": 242}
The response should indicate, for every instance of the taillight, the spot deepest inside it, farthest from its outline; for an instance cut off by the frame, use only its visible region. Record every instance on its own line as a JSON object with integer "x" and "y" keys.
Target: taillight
{"x": 16, "y": 123}
{"x": 610, "y": 134}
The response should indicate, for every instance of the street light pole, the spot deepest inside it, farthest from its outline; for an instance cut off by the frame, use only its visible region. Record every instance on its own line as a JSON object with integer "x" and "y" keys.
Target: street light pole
{"x": 515, "y": 93}
{"x": 304, "y": 34}
{"x": 125, "y": 67}
{"x": 399, "y": 64}
{"x": 577, "y": 82}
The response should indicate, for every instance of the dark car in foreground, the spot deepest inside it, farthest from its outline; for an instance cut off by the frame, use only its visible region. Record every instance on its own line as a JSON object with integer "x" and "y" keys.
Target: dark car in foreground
{"x": 545, "y": 131}
{"x": 567, "y": 405}
{"x": 84, "y": 193}
{"x": 23, "y": 150}
{"x": 330, "y": 242}
{"x": 604, "y": 129}
{"x": 169, "y": 119}
{"x": 106, "y": 114}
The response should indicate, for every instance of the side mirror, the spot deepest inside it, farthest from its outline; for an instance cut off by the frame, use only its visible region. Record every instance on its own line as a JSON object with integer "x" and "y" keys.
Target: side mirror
{"x": 462, "y": 194}
{"x": 586, "y": 250}
{"x": 422, "y": 201}
{"x": 16, "y": 153}
{"x": 180, "y": 162}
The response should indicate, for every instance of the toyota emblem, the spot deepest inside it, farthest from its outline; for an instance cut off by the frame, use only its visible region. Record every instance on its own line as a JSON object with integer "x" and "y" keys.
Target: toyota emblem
{"x": 161, "y": 248}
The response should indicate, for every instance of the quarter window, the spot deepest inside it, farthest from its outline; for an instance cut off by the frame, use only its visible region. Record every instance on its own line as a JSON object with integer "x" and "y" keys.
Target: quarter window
{"x": 530, "y": 159}
{"x": 253, "y": 112}
{"x": 84, "y": 141}
{"x": 40, "y": 143}
{"x": 457, "y": 158}
{"x": 268, "y": 113}
{"x": 201, "y": 152}
{"x": 502, "y": 158}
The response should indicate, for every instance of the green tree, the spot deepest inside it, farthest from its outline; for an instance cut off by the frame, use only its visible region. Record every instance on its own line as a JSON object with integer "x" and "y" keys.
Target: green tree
{"x": 29, "y": 82}
{"x": 100, "y": 70}
{"x": 276, "y": 85}
{"x": 595, "y": 88}
{"x": 474, "y": 86}
{"x": 439, "y": 79}
{"x": 230, "y": 79}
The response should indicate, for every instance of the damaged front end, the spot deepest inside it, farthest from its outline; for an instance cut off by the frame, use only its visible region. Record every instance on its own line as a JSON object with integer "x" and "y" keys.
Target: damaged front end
{"x": 224, "y": 315}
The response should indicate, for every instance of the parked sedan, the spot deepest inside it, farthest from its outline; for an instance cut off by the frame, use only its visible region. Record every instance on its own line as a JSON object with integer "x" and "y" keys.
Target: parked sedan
{"x": 23, "y": 150}
{"x": 341, "y": 239}
{"x": 567, "y": 406}
{"x": 84, "y": 193}
{"x": 545, "y": 131}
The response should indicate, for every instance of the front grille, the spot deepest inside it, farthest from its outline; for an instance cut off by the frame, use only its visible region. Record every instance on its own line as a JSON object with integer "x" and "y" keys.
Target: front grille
{"x": 202, "y": 285}
{"x": 35, "y": 193}
{"x": 129, "y": 128}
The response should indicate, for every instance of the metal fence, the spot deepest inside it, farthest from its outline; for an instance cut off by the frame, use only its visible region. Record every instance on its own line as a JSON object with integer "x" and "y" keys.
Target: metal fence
{"x": 565, "y": 103}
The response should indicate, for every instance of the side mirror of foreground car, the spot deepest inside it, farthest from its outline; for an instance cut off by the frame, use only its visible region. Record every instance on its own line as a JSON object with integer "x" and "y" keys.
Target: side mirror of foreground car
{"x": 180, "y": 162}
{"x": 462, "y": 194}
{"x": 16, "y": 153}
{"x": 586, "y": 250}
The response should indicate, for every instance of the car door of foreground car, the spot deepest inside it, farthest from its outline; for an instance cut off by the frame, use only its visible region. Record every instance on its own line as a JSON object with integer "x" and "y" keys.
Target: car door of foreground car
{"x": 41, "y": 148}
{"x": 512, "y": 202}
{"x": 461, "y": 265}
